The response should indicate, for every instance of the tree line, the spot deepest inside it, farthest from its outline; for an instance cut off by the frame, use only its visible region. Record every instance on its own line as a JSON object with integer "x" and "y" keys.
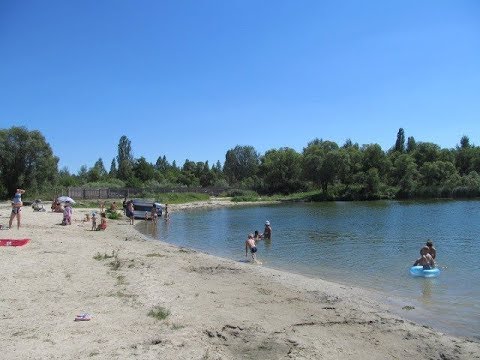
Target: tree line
{"x": 408, "y": 170}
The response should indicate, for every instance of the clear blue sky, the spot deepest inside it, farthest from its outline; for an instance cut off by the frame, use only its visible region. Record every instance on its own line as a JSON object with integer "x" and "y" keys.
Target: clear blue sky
{"x": 193, "y": 79}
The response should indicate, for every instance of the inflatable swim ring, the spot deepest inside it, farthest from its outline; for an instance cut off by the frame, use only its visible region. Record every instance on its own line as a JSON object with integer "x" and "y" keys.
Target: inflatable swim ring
{"x": 419, "y": 271}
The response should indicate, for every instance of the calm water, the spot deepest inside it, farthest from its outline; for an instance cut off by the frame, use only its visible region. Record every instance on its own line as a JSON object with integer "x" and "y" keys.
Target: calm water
{"x": 366, "y": 244}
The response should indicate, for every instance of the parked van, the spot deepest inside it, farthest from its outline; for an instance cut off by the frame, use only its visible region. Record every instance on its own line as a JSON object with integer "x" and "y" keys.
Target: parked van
{"x": 142, "y": 208}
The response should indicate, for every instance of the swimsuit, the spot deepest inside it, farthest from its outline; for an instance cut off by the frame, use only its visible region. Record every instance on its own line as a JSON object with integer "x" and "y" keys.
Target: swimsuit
{"x": 17, "y": 199}
{"x": 253, "y": 250}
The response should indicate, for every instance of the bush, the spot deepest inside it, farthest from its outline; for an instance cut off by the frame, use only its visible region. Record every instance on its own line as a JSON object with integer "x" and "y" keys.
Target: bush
{"x": 114, "y": 215}
{"x": 159, "y": 313}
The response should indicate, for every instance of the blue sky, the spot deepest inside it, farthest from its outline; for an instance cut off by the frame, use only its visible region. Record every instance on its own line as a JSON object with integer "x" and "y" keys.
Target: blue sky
{"x": 193, "y": 79}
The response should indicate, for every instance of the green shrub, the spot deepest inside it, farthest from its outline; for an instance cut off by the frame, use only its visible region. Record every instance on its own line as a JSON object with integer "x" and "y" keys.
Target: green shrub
{"x": 159, "y": 313}
{"x": 114, "y": 215}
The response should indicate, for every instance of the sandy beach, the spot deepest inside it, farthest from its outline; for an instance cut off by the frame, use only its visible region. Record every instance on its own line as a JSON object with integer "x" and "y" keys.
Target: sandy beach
{"x": 205, "y": 307}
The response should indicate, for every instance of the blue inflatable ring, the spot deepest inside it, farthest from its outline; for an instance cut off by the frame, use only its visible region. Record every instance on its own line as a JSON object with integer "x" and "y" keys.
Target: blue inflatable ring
{"x": 420, "y": 271}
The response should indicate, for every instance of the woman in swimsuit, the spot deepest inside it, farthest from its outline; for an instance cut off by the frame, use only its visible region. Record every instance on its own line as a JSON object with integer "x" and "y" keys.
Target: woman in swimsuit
{"x": 16, "y": 208}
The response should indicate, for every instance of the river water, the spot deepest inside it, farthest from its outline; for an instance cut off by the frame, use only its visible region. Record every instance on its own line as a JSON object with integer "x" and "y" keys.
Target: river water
{"x": 365, "y": 244}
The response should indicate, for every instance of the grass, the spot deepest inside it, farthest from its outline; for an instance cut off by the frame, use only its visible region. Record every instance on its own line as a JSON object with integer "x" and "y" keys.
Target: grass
{"x": 121, "y": 280}
{"x": 159, "y": 313}
{"x": 115, "y": 264}
{"x": 105, "y": 256}
{"x": 155, "y": 255}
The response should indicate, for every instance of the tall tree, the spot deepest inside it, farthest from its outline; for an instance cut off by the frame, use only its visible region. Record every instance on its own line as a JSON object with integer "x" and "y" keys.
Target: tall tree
{"x": 464, "y": 142}
{"x": 26, "y": 160}
{"x": 400, "y": 143}
{"x": 113, "y": 169}
{"x": 411, "y": 144}
{"x": 124, "y": 158}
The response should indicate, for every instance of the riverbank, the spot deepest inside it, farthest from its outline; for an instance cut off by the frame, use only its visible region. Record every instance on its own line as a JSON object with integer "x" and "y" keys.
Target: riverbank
{"x": 213, "y": 308}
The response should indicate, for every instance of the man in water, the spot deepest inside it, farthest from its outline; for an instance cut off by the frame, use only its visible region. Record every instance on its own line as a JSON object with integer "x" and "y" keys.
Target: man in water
{"x": 250, "y": 245}
{"x": 425, "y": 260}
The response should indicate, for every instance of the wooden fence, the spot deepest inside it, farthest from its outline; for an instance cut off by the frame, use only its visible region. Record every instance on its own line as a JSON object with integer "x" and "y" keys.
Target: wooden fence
{"x": 85, "y": 193}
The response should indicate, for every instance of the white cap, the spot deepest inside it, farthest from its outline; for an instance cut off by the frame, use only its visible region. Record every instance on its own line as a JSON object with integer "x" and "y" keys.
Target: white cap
{"x": 267, "y": 222}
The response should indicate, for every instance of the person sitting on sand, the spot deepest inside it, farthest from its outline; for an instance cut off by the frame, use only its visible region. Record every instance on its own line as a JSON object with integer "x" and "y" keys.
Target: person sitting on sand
{"x": 250, "y": 245}
{"x": 103, "y": 222}
{"x": 425, "y": 260}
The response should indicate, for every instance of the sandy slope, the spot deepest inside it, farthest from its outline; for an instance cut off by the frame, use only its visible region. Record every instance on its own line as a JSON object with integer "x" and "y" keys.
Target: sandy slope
{"x": 219, "y": 309}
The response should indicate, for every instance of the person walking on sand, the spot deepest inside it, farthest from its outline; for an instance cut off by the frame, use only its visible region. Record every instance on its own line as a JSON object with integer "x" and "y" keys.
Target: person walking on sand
{"x": 16, "y": 208}
{"x": 250, "y": 245}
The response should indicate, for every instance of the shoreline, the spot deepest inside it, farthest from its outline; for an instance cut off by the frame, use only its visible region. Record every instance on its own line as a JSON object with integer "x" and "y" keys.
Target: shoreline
{"x": 218, "y": 308}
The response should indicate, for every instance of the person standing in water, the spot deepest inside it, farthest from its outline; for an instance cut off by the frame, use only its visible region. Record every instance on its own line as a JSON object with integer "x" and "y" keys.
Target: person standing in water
{"x": 267, "y": 232}
{"x": 250, "y": 245}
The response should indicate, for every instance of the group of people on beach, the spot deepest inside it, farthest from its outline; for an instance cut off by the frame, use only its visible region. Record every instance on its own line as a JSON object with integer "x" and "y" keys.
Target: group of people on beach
{"x": 250, "y": 243}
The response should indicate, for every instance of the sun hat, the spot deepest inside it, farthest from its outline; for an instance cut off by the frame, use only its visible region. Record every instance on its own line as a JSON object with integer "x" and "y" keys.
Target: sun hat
{"x": 267, "y": 222}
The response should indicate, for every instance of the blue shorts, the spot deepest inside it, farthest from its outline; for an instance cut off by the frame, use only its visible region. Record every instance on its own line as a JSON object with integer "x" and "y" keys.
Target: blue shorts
{"x": 253, "y": 250}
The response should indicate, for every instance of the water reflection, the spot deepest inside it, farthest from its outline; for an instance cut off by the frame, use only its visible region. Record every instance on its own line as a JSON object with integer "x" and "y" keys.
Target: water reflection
{"x": 427, "y": 291}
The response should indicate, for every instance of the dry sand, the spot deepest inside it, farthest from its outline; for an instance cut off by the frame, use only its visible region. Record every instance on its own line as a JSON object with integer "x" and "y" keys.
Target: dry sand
{"x": 218, "y": 309}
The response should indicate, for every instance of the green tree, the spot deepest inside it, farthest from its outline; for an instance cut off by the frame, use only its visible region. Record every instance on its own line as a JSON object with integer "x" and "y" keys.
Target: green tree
{"x": 426, "y": 152}
{"x": 411, "y": 144}
{"x": 240, "y": 163}
{"x": 26, "y": 160}
{"x": 125, "y": 159}
{"x": 436, "y": 173}
{"x": 162, "y": 164}
{"x": 281, "y": 171}
{"x": 320, "y": 160}
{"x": 375, "y": 157}
{"x": 405, "y": 175}
{"x": 400, "y": 143}
{"x": 113, "y": 169}
{"x": 143, "y": 170}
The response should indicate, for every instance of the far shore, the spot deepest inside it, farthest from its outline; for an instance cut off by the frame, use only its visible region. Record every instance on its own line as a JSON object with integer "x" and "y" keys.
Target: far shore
{"x": 149, "y": 299}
